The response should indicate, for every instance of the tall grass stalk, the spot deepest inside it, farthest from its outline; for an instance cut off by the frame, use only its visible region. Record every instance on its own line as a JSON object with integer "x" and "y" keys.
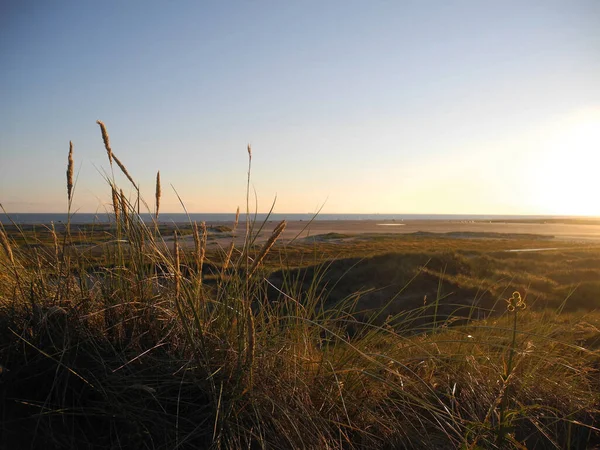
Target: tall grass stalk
{"x": 157, "y": 195}
{"x": 514, "y": 305}
{"x": 70, "y": 172}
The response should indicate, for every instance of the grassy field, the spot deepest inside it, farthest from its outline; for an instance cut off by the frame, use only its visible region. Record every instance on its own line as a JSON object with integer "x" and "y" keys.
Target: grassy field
{"x": 120, "y": 337}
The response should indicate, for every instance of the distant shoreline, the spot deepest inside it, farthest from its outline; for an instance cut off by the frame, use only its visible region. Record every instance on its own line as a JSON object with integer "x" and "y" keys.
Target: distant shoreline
{"x": 560, "y": 230}
{"x": 176, "y": 218}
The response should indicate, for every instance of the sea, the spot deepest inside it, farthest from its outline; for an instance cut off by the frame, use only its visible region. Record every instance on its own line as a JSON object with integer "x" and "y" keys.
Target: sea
{"x": 89, "y": 218}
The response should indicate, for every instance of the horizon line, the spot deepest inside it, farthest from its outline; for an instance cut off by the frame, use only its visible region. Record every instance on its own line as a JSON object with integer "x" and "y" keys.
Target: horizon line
{"x": 557, "y": 215}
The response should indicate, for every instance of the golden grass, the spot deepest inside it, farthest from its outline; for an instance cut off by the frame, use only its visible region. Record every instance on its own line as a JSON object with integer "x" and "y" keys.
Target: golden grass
{"x": 267, "y": 247}
{"x": 228, "y": 255}
{"x": 111, "y": 156}
{"x": 124, "y": 208}
{"x": 199, "y": 247}
{"x": 6, "y": 246}
{"x": 116, "y": 204}
{"x": 106, "y": 140}
{"x": 54, "y": 241}
{"x": 177, "y": 265}
{"x": 70, "y": 172}
{"x": 124, "y": 170}
{"x": 157, "y": 194}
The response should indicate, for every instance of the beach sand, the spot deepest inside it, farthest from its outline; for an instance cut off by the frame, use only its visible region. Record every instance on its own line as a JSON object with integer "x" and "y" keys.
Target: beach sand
{"x": 299, "y": 230}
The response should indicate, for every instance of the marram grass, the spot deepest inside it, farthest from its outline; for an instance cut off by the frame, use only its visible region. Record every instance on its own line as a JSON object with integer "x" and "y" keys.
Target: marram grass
{"x": 142, "y": 341}
{"x": 70, "y": 172}
{"x": 157, "y": 194}
{"x": 106, "y": 140}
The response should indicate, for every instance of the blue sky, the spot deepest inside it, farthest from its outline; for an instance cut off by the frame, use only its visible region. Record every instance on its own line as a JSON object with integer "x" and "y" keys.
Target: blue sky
{"x": 378, "y": 106}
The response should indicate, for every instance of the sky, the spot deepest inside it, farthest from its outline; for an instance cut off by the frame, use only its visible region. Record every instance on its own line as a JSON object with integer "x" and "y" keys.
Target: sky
{"x": 463, "y": 107}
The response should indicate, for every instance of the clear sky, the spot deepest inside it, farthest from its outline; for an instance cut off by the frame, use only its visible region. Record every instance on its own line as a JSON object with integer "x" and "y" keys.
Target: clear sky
{"x": 367, "y": 106}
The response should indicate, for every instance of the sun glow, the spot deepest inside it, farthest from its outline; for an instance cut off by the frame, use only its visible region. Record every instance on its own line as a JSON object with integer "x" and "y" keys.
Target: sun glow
{"x": 565, "y": 177}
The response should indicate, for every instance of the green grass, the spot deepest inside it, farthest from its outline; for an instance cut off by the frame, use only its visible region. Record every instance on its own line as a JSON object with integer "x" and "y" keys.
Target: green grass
{"x": 340, "y": 342}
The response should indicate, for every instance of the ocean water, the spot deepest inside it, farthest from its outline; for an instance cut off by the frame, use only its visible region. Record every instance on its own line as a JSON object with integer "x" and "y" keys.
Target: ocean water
{"x": 85, "y": 218}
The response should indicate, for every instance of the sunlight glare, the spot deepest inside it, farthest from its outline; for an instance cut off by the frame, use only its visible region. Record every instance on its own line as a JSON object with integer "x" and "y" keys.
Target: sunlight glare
{"x": 565, "y": 180}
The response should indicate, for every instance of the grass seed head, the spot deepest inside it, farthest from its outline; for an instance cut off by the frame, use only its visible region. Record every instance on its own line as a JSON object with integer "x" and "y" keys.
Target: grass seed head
{"x": 199, "y": 245}
{"x": 70, "y": 172}
{"x": 237, "y": 218}
{"x": 54, "y": 240}
{"x": 124, "y": 208}
{"x": 115, "y": 202}
{"x": 228, "y": 255}
{"x": 267, "y": 247}
{"x": 158, "y": 193}
{"x": 124, "y": 170}
{"x": 106, "y": 140}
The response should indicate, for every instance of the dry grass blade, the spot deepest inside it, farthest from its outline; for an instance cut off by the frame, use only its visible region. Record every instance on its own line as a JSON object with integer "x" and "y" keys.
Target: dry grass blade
{"x": 124, "y": 170}
{"x": 267, "y": 247}
{"x": 237, "y": 218}
{"x": 199, "y": 246}
{"x": 54, "y": 240}
{"x": 70, "y": 172}
{"x": 176, "y": 257}
{"x": 124, "y": 209}
{"x": 197, "y": 249}
{"x": 115, "y": 202}
{"x": 158, "y": 193}
{"x": 251, "y": 345}
{"x": 111, "y": 155}
{"x": 6, "y": 246}
{"x": 106, "y": 140}
{"x": 228, "y": 256}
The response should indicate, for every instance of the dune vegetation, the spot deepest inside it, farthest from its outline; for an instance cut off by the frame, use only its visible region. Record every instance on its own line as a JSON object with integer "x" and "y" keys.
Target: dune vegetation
{"x": 120, "y": 336}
